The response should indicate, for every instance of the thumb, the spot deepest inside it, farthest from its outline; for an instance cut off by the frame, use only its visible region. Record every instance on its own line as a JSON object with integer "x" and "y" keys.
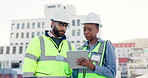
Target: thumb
{"x": 90, "y": 60}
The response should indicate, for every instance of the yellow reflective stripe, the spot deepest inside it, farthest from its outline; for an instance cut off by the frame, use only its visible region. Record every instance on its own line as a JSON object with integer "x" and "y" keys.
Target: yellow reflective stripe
{"x": 47, "y": 58}
{"x": 86, "y": 70}
{"x": 42, "y": 46}
{"x": 103, "y": 45}
{"x": 28, "y": 55}
{"x": 28, "y": 74}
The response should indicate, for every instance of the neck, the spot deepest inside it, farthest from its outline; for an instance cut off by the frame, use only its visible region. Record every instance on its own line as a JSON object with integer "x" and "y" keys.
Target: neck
{"x": 93, "y": 42}
{"x": 53, "y": 33}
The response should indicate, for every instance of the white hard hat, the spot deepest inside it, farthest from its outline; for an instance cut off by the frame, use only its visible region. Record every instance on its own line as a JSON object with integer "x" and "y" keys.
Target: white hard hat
{"x": 61, "y": 15}
{"x": 92, "y": 18}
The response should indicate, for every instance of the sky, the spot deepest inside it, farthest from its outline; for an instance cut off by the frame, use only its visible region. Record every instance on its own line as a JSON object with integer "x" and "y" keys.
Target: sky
{"x": 121, "y": 19}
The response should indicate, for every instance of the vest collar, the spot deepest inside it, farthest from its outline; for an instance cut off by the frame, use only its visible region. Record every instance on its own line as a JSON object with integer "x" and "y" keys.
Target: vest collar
{"x": 86, "y": 43}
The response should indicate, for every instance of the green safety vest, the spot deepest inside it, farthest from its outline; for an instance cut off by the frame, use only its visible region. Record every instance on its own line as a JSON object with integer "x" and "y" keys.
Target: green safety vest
{"x": 43, "y": 60}
{"x": 88, "y": 73}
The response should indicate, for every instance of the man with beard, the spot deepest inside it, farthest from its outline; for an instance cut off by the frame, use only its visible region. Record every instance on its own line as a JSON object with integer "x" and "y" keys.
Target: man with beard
{"x": 46, "y": 55}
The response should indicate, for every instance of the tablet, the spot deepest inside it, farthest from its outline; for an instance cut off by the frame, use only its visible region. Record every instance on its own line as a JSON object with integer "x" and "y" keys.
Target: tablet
{"x": 72, "y": 57}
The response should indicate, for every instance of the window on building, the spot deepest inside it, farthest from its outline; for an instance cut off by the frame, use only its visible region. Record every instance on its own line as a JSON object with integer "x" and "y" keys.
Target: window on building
{"x": 27, "y": 35}
{"x": 84, "y": 41}
{"x": 17, "y": 35}
{"x": 32, "y": 34}
{"x": 14, "y": 50}
{"x": 20, "y": 50}
{"x": 12, "y": 36}
{"x": 23, "y": 25}
{"x": 52, "y": 6}
{"x": 73, "y": 22}
{"x": 18, "y": 26}
{"x": 78, "y": 22}
{"x": 78, "y": 32}
{"x": 72, "y": 41}
{"x": 7, "y": 50}
{"x": 12, "y": 26}
{"x": 78, "y": 41}
{"x": 73, "y": 32}
{"x": 42, "y": 32}
{"x": 15, "y": 64}
{"x": 33, "y": 25}
{"x": 38, "y": 25}
{"x": 21, "y": 43}
{"x": 28, "y": 25}
{"x": 1, "y": 50}
{"x": 42, "y": 24}
{"x": 22, "y": 35}
{"x": 58, "y": 5}
{"x": 38, "y": 33}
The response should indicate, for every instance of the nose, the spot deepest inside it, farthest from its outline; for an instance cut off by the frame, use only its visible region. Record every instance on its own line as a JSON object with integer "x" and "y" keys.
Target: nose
{"x": 86, "y": 32}
{"x": 64, "y": 28}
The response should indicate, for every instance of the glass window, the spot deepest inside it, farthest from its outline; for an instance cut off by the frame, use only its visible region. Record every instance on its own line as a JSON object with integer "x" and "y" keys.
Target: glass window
{"x": 38, "y": 25}
{"x": 78, "y": 32}
{"x": 32, "y": 34}
{"x": 18, "y": 26}
{"x": 27, "y": 35}
{"x": 17, "y": 35}
{"x": 73, "y": 32}
{"x": 7, "y": 50}
{"x": 38, "y": 33}
{"x": 28, "y": 25}
{"x": 20, "y": 50}
{"x": 22, "y": 35}
{"x": 1, "y": 50}
{"x": 13, "y": 26}
{"x": 78, "y": 41}
{"x": 12, "y": 36}
{"x": 14, "y": 50}
{"x": 33, "y": 25}
{"x": 78, "y": 22}
{"x": 23, "y": 25}
{"x": 42, "y": 24}
{"x": 15, "y": 64}
{"x": 73, "y": 22}
{"x": 72, "y": 41}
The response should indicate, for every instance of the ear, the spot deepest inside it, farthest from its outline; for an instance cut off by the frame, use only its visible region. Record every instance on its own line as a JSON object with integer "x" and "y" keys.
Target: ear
{"x": 52, "y": 24}
{"x": 97, "y": 29}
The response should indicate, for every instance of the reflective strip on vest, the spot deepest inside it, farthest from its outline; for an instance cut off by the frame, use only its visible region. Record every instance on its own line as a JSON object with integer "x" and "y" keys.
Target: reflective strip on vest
{"x": 69, "y": 45}
{"x": 28, "y": 55}
{"x": 42, "y": 45}
{"x": 53, "y": 77}
{"x": 87, "y": 70}
{"x": 48, "y": 58}
{"x": 28, "y": 74}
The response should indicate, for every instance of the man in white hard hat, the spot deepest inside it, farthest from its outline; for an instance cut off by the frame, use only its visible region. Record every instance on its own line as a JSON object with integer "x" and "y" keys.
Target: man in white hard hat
{"x": 46, "y": 54}
{"x": 102, "y": 62}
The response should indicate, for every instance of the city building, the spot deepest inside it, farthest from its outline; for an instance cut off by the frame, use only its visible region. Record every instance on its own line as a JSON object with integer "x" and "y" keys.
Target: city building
{"x": 122, "y": 51}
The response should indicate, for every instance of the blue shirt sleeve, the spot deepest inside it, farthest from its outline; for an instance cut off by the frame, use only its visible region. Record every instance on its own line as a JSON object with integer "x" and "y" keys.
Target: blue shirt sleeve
{"x": 108, "y": 68}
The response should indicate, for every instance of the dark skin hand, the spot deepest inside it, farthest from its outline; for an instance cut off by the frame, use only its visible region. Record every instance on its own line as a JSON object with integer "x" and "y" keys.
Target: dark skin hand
{"x": 86, "y": 63}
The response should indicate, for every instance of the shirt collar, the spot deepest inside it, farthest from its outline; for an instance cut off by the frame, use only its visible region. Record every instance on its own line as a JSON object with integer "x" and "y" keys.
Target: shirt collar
{"x": 99, "y": 40}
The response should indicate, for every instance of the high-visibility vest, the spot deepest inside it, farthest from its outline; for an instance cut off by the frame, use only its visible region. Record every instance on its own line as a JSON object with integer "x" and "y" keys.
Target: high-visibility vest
{"x": 43, "y": 60}
{"x": 88, "y": 73}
